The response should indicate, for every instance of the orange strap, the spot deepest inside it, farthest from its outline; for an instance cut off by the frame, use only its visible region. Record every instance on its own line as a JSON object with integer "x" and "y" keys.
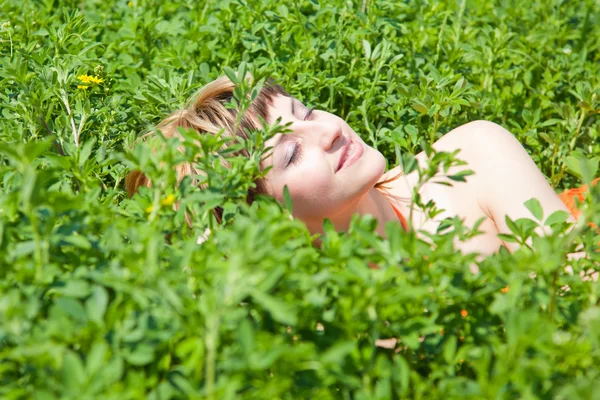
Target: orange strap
{"x": 400, "y": 217}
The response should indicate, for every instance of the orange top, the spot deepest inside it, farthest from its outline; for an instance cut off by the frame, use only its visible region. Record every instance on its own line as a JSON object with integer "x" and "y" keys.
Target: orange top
{"x": 568, "y": 198}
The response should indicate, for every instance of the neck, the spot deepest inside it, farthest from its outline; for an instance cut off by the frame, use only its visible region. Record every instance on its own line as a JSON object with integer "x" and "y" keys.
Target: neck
{"x": 374, "y": 203}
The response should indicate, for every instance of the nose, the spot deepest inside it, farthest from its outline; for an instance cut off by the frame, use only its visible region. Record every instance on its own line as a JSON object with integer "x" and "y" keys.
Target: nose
{"x": 328, "y": 132}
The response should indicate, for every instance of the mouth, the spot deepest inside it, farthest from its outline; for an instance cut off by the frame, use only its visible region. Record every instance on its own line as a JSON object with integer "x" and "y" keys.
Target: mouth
{"x": 351, "y": 152}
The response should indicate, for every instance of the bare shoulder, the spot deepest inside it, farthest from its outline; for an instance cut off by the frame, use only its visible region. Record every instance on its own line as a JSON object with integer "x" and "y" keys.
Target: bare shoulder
{"x": 478, "y": 142}
{"x": 477, "y": 137}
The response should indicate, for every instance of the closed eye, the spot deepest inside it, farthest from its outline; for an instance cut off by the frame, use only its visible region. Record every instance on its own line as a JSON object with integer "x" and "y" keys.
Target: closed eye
{"x": 296, "y": 154}
{"x": 297, "y": 151}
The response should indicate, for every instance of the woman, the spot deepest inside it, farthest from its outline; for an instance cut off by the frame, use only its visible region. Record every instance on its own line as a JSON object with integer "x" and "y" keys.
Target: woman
{"x": 331, "y": 173}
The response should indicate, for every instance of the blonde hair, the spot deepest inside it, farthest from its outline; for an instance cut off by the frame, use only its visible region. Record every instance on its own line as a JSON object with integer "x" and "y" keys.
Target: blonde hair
{"x": 206, "y": 114}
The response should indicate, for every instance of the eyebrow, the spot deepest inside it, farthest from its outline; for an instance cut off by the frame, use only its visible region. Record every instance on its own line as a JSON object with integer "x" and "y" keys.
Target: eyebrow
{"x": 276, "y": 143}
{"x": 309, "y": 112}
{"x": 281, "y": 134}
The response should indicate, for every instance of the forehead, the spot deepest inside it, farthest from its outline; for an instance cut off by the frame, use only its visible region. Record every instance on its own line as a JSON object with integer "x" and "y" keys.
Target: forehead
{"x": 280, "y": 107}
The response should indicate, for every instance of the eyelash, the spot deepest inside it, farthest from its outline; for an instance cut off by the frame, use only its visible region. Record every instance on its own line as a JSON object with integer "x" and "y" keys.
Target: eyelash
{"x": 297, "y": 154}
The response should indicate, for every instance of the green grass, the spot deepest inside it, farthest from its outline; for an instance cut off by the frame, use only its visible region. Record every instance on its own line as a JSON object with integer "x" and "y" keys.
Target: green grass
{"x": 95, "y": 302}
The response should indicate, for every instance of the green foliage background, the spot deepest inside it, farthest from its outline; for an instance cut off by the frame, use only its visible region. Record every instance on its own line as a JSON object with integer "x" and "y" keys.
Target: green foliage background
{"x": 95, "y": 303}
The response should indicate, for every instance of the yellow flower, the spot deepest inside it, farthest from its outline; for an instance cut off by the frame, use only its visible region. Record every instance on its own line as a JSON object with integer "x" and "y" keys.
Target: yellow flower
{"x": 149, "y": 209}
{"x": 84, "y": 78}
{"x": 130, "y": 4}
{"x": 169, "y": 200}
{"x": 87, "y": 79}
{"x": 82, "y": 87}
{"x": 96, "y": 80}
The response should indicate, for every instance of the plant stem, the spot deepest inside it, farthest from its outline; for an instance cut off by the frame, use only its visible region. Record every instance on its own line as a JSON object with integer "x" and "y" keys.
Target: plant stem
{"x": 65, "y": 100}
{"x": 212, "y": 336}
{"x": 553, "y": 298}
{"x": 38, "y": 246}
{"x": 459, "y": 21}
{"x": 435, "y": 126}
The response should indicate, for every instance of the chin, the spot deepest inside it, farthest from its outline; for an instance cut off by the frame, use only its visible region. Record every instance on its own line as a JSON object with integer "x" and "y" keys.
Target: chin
{"x": 376, "y": 165}
{"x": 372, "y": 168}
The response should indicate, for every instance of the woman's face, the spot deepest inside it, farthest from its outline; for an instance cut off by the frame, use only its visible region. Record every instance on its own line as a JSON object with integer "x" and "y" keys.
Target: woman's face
{"x": 324, "y": 163}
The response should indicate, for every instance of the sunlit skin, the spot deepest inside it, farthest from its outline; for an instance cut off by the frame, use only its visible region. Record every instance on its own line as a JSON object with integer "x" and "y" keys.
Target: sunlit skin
{"x": 505, "y": 177}
{"x": 307, "y": 159}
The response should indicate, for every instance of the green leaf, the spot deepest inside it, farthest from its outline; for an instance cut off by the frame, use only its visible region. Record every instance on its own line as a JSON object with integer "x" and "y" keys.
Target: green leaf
{"x": 113, "y": 371}
{"x": 29, "y": 185}
{"x": 511, "y": 225}
{"x": 72, "y": 308}
{"x": 460, "y": 176}
{"x": 420, "y": 107}
{"x": 557, "y": 217}
{"x": 573, "y": 166}
{"x": 261, "y": 361}
{"x": 287, "y": 199}
{"x": 23, "y": 249}
{"x": 283, "y": 10}
{"x": 337, "y": 353}
{"x": 409, "y": 163}
{"x": 401, "y": 372}
{"x": 43, "y": 395}
{"x": 74, "y": 375}
{"x": 96, "y": 357}
{"x": 367, "y": 48}
{"x": 507, "y": 238}
{"x": 245, "y": 334}
{"x": 96, "y": 305}
{"x": 551, "y": 121}
{"x": 274, "y": 276}
{"x": 73, "y": 288}
{"x": 184, "y": 385}
{"x": 79, "y": 241}
{"x": 459, "y": 84}
{"x": 588, "y": 168}
{"x": 278, "y": 309}
{"x": 142, "y": 355}
{"x": 232, "y": 75}
{"x": 411, "y": 340}
{"x": 534, "y": 206}
{"x": 450, "y": 349}
{"x": 85, "y": 152}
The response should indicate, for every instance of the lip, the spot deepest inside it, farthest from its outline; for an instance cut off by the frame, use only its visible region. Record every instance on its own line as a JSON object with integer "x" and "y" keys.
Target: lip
{"x": 348, "y": 159}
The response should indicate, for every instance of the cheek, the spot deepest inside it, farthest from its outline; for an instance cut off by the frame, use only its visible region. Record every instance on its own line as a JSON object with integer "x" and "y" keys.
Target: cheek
{"x": 311, "y": 180}
{"x": 313, "y": 188}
